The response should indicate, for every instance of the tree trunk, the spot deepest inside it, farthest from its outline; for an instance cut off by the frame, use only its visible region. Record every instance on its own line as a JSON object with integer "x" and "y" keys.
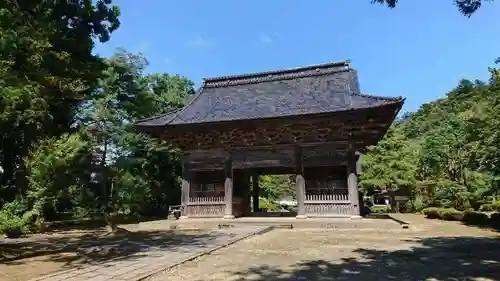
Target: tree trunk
{"x": 107, "y": 212}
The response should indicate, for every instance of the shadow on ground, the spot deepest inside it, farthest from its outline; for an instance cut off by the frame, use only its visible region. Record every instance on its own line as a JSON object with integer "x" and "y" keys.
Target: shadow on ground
{"x": 99, "y": 246}
{"x": 486, "y": 226}
{"x": 439, "y": 258}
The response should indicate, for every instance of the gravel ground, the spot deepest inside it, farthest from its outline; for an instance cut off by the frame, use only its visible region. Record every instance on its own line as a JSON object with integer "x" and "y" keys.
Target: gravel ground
{"x": 429, "y": 250}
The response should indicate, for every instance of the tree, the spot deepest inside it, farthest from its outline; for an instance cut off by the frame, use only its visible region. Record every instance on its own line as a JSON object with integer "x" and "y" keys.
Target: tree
{"x": 390, "y": 165}
{"x": 466, "y": 7}
{"x": 47, "y": 70}
{"x": 276, "y": 186}
{"x": 133, "y": 169}
{"x": 57, "y": 169}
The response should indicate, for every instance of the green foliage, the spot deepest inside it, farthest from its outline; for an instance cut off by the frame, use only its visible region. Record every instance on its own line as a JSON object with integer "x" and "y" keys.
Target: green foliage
{"x": 486, "y": 208}
{"x": 380, "y": 209}
{"x": 47, "y": 70}
{"x": 269, "y": 205}
{"x": 431, "y": 212}
{"x": 389, "y": 165}
{"x": 475, "y": 218}
{"x": 496, "y": 206}
{"x": 490, "y": 207}
{"x": 450, "y": 214}
{"x": 275, "y": 187}
{"x": 468, "y": 217}
{"x": 17, "y": 207}
{"x": 14, "y": 225}
{"x": 54, "y": 169}
{"x": 445, "y": 154}
{"x": 68, "y": 146}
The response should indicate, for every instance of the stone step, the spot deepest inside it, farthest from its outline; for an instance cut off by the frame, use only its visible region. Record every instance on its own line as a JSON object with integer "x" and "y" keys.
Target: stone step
{"x": 289, "y": 223}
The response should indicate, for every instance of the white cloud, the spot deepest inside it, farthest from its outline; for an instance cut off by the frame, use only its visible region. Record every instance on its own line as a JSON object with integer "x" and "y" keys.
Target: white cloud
{"x": 199, "y": 41}
{"x": 264, "y": 38}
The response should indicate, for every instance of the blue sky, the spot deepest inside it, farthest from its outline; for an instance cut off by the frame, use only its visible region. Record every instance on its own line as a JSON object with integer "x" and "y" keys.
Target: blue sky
{"x": 410, "y": 51}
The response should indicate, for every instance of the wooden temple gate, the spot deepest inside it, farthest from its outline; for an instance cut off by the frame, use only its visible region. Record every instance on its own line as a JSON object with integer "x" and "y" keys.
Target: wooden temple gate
{"x": 221, "y": 187}
{"x": 311, "y": 122}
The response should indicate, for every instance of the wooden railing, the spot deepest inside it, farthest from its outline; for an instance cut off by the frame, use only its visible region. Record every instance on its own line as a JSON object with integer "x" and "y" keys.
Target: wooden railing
{"x": 326, "y": 191}
{"x": 202, "y": 200}
{"x": 205, "y": 206}
{"x": 335, "y": 197}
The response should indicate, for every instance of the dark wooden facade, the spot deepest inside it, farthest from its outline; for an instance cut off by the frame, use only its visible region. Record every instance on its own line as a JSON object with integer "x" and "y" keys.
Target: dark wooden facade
{"x": 312, "y": 122}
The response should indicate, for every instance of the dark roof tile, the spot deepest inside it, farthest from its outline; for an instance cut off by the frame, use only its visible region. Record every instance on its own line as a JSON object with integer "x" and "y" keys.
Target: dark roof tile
{"x": 314, "y": 89}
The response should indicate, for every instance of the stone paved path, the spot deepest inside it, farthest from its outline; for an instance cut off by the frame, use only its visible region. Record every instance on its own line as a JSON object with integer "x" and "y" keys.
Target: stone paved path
{"x": 154, "y": 259}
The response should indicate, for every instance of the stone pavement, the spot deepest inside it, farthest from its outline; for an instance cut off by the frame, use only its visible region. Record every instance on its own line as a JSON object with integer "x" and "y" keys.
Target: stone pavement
{"x": 154, "y": 259}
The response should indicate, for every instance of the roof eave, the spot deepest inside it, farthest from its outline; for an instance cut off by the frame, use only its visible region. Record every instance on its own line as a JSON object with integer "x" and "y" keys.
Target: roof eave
{"x": 397, "y": 103}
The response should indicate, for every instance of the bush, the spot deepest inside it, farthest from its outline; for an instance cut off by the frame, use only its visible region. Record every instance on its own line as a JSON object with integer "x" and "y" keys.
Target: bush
{"x": 417, "y": 205}
{"x": 17, "y": 207}
{"x": 380, "y": 209}
{"x": 450, "y": 214}
{"x": 495, "y": 219}
{"x": 496, "y": 206}
{"x": 487, "y": 208}
{"x": 475, "y": 218}
{"x": 268, "y": 205}
{"x": 431, "y": 212}
{"x": 14, "y": 226}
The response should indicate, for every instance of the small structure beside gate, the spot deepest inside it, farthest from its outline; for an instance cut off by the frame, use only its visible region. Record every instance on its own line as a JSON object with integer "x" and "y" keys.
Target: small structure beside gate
{"x": 310, "y": 121}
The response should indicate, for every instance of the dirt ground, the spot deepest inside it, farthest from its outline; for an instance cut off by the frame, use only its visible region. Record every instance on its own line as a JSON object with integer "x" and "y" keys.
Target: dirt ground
{"x": 429, "y": 250}
{"x": 38, "y": 255}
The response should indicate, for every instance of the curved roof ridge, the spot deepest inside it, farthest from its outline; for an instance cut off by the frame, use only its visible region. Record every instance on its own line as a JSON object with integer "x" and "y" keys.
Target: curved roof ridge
{"x": 158, "y": 116}
{"x": 386, "y": 98}
{"x": 280, "y": 74}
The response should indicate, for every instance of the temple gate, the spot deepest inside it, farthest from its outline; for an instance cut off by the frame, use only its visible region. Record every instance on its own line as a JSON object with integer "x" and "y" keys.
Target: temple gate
{"x": 311, "y": 121}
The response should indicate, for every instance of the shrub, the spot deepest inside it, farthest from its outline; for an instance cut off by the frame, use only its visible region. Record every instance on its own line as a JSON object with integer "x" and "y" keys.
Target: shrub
{"x": 270, "y": 206}
{"x": 431, "y": 212}
{"x": 14, "y": 226}
{"x": 16, "y": 207}
{"x": 495, "y": 219}
{"x": 450, "y": 214}
{"x": 496, "y": 206}
{"x": 475, "y": 218}
{"x": 417, "y": 205}
{"x": 380, "y": 209}
{"x": 487, "y": 208}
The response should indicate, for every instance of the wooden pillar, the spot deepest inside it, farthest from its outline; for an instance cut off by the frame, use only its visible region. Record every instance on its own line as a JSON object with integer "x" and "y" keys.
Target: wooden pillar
{"x": 300, "y": 184}
{"x": 359, "y": 167}
{"x": 185, "y": 186}
{"x": 352, "y": 183}
{"x": 228, "y": 189}
{"x": 255, "y": 192}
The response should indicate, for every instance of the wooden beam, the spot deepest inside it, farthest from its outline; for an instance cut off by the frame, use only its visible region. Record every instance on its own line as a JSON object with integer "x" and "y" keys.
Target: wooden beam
{"x": 324, "y": 154}
{"x": 324, "y": 161}
{"x": 185, "y": 186}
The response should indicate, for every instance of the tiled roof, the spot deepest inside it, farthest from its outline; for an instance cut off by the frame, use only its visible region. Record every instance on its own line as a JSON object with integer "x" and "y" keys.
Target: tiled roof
{"x": 322, "y": 88}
